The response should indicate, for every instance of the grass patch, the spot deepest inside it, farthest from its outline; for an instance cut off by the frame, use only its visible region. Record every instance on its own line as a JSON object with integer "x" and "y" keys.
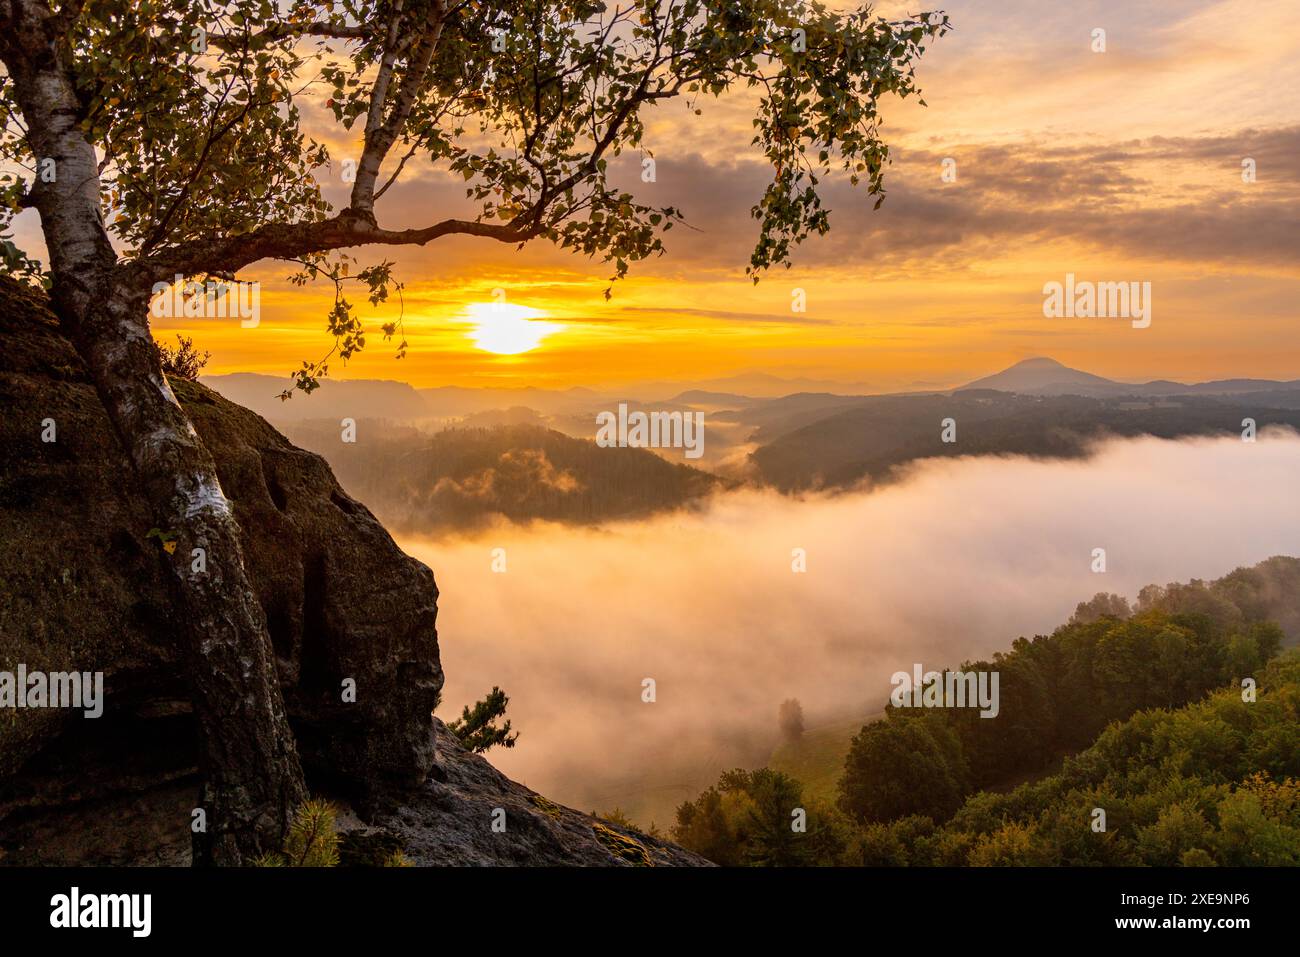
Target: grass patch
{"x": 816, "y": 760}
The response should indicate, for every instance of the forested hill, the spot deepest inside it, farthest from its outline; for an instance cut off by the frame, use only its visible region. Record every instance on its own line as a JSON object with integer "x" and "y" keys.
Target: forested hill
{"x": 1179, "y": 718}
{"x": 877, "y": 435}
{"x": 462, "y": 478}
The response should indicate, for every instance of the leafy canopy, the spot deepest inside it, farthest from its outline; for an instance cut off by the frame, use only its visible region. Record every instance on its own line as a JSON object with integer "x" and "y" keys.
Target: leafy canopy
{"x": 199, "y": 109}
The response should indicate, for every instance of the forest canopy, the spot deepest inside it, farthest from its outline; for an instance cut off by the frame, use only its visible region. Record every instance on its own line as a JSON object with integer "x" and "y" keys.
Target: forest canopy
{"x": 1178, "y": 721}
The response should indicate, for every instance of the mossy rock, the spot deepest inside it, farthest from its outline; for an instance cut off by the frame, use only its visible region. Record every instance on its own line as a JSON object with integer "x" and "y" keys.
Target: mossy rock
{"x": 621, "y": 846}
{"x": 549, "y": 808}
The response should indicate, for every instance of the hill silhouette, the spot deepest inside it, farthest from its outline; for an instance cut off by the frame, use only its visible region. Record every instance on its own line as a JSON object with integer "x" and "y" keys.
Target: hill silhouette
{"x": 465, "y": 477}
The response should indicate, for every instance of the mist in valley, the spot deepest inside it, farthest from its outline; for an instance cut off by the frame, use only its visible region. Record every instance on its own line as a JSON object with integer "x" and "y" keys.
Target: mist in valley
{"x": 950, "y": 564}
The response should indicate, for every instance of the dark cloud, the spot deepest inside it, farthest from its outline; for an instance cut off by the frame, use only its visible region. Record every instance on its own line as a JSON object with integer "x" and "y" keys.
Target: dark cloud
{"x": 1120, "y": 197}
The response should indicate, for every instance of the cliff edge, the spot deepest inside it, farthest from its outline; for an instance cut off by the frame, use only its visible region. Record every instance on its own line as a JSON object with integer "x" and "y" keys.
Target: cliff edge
{"x": 82, "y": 588}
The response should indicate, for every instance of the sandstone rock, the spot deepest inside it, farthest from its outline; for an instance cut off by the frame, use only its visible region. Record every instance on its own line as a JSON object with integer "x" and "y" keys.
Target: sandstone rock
{"x": 82, "y": 589}
{"x": 445, "y": 822}
{"x": 449, "y": 822}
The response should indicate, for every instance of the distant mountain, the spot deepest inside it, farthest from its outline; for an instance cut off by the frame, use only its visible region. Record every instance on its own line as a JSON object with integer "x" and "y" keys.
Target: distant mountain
{"x": 1043, "y": 376}
{"x": 768, "y": 408}
{"x": 747, "y": 384}
{"x": 1239, "y": 386}
{"x": 397, "y": 401}
{"x": 515, "y": 415}
{"x": 335, "y": 399}
{"x": 453, "y": 401}
{"x": 703, "y": 397}
{"x": 875, "y": 435}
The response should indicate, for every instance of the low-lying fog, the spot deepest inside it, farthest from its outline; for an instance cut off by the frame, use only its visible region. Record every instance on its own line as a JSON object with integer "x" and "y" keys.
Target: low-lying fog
{"x": 951, "y": 564}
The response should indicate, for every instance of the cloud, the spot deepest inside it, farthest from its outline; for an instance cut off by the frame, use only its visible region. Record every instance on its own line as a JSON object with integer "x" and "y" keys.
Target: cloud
{"x": 518, "y": 474}
{"x": 1121, "y": 197}
{"x": 952, "y": 564}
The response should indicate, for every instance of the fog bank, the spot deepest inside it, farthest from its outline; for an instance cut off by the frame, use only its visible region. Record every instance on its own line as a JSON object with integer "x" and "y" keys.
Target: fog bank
{"x": 951, "y": 564}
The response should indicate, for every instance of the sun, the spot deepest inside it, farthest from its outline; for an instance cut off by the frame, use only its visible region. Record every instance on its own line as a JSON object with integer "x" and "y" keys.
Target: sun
{"x": 506, "y": 329}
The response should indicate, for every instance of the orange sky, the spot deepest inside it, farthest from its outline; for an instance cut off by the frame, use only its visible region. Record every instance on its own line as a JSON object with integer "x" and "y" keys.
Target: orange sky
{"x": 1115, "y": 166}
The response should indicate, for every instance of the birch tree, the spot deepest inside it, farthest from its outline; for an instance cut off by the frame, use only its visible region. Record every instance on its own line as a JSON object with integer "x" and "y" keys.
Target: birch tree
{"x": 165, "y": 138}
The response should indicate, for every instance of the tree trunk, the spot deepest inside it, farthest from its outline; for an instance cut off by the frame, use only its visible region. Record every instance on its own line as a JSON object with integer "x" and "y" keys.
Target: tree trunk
{"x": 252, "y": 777}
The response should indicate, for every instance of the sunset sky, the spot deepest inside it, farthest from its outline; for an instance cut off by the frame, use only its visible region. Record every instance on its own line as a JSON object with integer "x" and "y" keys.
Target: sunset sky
{"x": 1116, "y": 166}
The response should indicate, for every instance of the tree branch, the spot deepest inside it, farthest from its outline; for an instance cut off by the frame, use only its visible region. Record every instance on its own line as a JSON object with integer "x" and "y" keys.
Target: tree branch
{"x": 381, "y": 137}
{"x": 293, "y": 240}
